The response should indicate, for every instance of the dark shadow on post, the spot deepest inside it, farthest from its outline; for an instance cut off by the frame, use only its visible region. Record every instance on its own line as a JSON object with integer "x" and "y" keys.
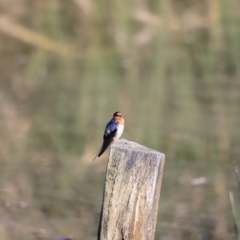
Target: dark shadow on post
{"x": 132, "y": 192}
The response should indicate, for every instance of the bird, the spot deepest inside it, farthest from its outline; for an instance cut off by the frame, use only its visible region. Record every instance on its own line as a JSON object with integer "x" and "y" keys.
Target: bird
{"x": 113, "y": 131}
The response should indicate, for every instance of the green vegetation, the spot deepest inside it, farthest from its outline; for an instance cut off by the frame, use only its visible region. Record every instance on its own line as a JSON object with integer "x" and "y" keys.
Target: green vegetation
{"x": 171, "y": 67}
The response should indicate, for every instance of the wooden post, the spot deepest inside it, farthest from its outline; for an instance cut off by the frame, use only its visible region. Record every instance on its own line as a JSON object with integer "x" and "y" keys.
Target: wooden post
{"x": 132, "y": 192}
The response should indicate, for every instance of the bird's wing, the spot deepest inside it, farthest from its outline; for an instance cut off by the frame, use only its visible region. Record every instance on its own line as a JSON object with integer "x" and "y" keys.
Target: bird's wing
{"x": 111, "y": 127}
{"x": 107, "y": 140}
{"x": 108, "y": 136}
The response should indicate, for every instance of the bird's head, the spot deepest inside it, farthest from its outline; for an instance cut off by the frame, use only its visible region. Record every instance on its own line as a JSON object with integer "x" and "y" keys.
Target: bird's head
{"x": 118, "y": 116}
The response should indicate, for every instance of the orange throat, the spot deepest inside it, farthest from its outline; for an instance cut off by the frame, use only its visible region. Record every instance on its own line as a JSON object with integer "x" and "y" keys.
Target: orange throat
{"x": 120, "y": 120}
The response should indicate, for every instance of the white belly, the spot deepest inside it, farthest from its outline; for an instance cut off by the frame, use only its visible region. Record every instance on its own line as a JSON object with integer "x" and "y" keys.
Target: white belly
{"x": 119, "y": 131}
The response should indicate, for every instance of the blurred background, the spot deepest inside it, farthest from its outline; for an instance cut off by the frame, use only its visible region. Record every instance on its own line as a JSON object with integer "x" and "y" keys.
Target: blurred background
{"x": 172, "y": 67}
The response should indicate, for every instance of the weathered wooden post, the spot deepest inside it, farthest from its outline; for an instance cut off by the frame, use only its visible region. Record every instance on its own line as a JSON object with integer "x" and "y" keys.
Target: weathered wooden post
{"x": 131, "y": 194}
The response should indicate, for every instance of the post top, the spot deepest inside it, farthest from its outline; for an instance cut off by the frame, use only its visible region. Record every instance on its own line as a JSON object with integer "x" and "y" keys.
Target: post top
{"x": 123, "y": 143}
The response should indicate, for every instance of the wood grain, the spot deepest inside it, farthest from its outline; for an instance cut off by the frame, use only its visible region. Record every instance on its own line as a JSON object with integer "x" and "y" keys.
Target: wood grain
{"x": 132, "y": 192}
